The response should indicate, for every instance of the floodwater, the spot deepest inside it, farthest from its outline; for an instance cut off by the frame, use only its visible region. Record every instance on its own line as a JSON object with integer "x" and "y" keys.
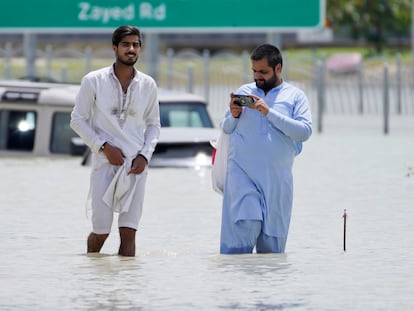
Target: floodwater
{"x": 351, "y": 165}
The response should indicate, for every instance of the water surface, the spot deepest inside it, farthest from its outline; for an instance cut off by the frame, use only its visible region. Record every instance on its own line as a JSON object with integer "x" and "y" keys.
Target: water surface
{"x": 351, "y": 166}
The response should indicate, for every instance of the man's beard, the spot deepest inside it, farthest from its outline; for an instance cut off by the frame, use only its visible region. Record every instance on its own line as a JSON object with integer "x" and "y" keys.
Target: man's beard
{"x": 127, "y": 62}
{"x": 266, "y": 85}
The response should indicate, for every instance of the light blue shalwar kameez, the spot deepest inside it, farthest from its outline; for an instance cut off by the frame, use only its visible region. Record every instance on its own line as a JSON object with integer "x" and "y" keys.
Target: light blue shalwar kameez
{"x": 258, "y": 192}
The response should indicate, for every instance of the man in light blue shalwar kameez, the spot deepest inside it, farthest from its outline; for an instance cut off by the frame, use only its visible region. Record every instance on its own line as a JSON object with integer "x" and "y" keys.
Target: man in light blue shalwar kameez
{"x": 265, "y": 137}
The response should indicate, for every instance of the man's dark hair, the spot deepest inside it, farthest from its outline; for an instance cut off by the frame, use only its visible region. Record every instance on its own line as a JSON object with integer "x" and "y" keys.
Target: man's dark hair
{"x": 123, "y": 31}
{"x": 268, "y": 51}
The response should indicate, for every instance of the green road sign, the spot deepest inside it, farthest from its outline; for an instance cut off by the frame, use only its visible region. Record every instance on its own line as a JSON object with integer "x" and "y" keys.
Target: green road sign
{"x": 162, "y": 16}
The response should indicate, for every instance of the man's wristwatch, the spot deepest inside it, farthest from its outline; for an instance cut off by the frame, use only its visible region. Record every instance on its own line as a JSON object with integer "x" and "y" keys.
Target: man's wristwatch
{"x": 102, "y": 147}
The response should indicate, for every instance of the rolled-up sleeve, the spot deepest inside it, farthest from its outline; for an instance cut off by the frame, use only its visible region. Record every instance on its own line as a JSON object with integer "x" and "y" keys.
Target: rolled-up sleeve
{"x": 81, "y": 114}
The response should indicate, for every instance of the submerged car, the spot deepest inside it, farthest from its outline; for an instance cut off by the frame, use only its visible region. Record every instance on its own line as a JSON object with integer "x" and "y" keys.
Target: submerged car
{"x": 34, "y": 120}
{"x": 186, "y": 131}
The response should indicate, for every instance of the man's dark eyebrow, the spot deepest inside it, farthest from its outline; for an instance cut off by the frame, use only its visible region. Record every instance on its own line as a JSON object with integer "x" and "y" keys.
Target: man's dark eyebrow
{"x": 262, "y": 70}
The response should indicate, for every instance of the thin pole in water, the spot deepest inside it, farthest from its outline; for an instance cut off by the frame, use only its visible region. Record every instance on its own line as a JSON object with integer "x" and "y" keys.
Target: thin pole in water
{"x": 345, "y": 217}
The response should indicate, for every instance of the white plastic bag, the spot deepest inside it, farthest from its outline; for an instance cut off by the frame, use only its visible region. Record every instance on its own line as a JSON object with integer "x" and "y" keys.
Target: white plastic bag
{"x": 219, "y": 168}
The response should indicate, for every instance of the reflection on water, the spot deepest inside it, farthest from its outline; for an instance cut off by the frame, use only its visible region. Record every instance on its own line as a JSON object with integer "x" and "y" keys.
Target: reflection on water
{"x": 43, "y": 233}
{"x": 254, "y": 264}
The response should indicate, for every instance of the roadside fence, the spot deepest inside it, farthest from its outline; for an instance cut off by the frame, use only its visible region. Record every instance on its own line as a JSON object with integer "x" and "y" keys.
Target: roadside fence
{"x": 374, "y": 86}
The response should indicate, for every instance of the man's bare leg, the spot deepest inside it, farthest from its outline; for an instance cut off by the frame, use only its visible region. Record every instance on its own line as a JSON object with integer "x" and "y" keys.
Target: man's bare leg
{"x": 95, "y": 242}
{"x": 127, "y": 247}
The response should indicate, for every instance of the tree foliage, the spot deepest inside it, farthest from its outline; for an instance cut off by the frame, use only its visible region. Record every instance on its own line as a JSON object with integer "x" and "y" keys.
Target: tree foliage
{"x": 373, "y": 20}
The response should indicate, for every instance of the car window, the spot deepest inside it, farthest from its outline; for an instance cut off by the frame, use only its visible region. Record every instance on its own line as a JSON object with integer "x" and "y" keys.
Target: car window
{"x": 17, "y": 129}
{"x": 188, "y": 114}
{"x": 62, "y": 133}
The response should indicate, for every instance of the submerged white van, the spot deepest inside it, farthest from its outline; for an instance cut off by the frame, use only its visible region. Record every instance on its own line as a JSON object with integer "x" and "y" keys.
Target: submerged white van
{"x": 34, "y": 121}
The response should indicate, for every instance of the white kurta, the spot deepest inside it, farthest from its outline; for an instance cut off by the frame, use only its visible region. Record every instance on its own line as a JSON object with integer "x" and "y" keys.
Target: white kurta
{"x": 131, "y": 122}
{"x": 95, "y": 117}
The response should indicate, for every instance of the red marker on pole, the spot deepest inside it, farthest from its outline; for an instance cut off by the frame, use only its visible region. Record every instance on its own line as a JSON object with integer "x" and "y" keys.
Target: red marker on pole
{"x": 344, "y": 216}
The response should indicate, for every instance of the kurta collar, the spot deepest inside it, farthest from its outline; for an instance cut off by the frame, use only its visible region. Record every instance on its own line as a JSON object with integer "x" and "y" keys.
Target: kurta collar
{"x": 112, "y": 72}
{"x": 275, "y": 89}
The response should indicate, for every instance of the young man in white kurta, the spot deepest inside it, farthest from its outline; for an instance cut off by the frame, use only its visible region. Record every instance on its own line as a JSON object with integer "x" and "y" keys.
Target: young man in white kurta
{"x": 264, "y": 140}
{"x": 117, "y": 115}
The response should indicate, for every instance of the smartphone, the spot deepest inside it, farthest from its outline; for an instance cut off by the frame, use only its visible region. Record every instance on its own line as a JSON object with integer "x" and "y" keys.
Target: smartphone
{"x": 243, "y": 100}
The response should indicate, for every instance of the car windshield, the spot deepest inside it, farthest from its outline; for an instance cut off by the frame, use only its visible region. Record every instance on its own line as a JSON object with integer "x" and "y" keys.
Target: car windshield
{"x": 184, "y": 114}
